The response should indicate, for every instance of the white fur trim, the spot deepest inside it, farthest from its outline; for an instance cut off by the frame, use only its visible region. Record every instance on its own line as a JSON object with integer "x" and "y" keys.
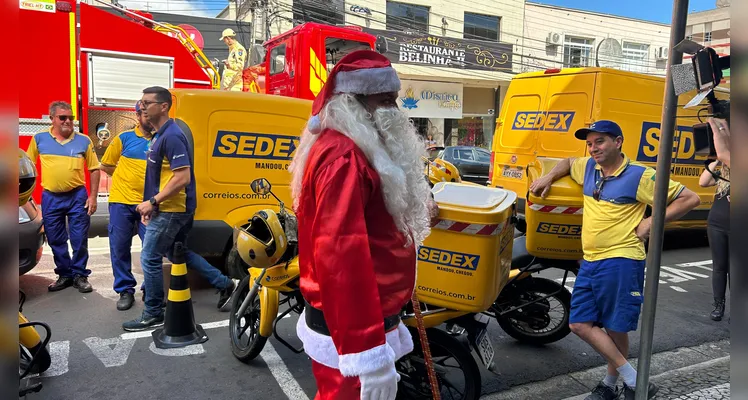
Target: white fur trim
{"x": 321, "y": 349}
{"x": 367, "y": 81}
{"x": 314, "y": 124}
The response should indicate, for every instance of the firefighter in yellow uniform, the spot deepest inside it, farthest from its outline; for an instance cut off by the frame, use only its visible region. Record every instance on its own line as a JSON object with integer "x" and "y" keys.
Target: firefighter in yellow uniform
{"x": 234, "y": 65}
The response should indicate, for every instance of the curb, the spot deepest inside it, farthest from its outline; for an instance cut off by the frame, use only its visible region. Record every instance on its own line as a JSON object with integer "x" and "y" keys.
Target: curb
{"x": 664, "y": 365}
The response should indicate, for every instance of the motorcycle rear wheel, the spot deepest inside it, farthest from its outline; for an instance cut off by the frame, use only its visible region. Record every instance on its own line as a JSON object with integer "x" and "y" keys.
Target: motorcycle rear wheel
{"x": 539, "y": 335}
{"x": 464, "y": 384}
{"x": 248, "y": 324}
{"x": 42, "y": 360}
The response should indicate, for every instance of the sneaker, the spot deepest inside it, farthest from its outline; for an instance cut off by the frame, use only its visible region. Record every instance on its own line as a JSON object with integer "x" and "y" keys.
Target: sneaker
{"x": 225, "y": 297}
{"x": 603, "y": 392}
{"x": 126, "y": 300}
{"x": 630, "y": 393}
{"x": 143, "y": 322}
{"x": 61, "y": 283}
{"x": 81, "y": 283}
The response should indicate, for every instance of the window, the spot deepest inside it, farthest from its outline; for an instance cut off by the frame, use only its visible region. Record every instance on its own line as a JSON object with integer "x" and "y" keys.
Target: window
{"x": 577, "y": 51}
{"x": 707, "y": 32}
{"x": 465, "y": 154}
{"x": 483, "y": 155}
{"x": 278, "y": 60}
{"x": 483, "y": 27}
{"x": 332, "y": 12}
{"x": 407, "y": 17}
{"x": 689, "y": 32}
{"x": 635, "y": 57}
{"x": 336, "y": 48}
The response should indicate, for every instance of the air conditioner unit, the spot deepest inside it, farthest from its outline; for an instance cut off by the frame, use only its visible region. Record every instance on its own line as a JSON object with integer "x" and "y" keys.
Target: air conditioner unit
{"x": 661, "y": 53}
{"x": 554, "y": 39}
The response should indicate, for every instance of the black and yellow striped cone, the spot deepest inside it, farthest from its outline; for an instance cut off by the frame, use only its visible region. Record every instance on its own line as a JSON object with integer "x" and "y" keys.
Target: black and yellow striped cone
{"x": 179, "y": 328}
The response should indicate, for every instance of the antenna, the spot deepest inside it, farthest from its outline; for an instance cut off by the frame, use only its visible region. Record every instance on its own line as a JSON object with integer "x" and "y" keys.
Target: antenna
{"x": 609, "y": 53}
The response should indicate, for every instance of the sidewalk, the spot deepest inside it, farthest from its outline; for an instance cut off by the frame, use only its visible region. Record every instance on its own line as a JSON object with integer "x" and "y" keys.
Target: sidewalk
{"x": 699, "y": 372}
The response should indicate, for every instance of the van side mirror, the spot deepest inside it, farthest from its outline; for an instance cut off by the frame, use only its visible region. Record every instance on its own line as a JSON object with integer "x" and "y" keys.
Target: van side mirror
{"x": 260, "y": 186}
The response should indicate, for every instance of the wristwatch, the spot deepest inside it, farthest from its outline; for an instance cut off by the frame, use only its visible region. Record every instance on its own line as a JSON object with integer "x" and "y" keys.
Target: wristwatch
{"x": 153, "y": 201}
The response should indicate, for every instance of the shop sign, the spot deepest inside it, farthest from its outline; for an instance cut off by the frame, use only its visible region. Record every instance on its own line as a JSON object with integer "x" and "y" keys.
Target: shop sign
{"x": 421, "y": 99}
{"x": 438, "y": 51}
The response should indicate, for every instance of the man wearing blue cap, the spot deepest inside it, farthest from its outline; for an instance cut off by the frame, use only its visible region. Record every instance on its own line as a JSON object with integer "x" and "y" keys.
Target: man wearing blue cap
{"x": 608, "y": 290}
{"x": 124, "y": 161}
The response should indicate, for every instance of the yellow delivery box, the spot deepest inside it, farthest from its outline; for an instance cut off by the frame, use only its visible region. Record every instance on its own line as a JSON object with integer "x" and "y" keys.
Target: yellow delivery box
{"x": 554, "y": 223}
{"x": 465, "y": 261}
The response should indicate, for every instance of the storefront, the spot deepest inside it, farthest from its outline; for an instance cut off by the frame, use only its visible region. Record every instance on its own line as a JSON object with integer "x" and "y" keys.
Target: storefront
{"x": 450, "y": 86}
{"x": 449, "y": 113}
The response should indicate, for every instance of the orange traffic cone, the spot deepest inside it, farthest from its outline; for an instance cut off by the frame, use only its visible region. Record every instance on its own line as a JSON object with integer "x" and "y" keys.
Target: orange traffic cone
{"x": 179, "y": 328}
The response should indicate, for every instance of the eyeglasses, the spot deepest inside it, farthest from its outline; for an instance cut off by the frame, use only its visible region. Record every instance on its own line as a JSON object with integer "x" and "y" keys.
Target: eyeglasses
{"x": 599, "y": 188}
{"x": 146, "y": 103}
{"x": 64, "y": 118}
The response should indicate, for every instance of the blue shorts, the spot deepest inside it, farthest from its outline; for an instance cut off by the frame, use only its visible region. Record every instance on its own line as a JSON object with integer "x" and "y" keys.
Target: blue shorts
{"x": 609, "y": 293}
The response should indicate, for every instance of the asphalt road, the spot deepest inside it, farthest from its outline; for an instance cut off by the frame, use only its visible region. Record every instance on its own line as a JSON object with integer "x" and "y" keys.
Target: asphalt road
{"x": 93, "y": 358}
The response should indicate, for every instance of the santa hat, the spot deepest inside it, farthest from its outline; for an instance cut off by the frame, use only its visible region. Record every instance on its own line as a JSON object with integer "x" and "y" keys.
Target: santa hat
{"x": 363, "y": 72}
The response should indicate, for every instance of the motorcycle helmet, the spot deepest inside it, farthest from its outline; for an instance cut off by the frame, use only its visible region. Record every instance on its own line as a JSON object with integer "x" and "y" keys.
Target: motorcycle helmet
{"x": 26, "y": 177}
{"x": 263, "y": 242}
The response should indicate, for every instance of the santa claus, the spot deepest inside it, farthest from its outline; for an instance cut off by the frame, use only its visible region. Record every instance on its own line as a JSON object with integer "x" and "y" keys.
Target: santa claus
{"x": 363, "y": 205}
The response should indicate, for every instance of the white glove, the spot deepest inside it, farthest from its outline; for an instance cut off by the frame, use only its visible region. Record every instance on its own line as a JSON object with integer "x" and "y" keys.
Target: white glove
{"x": 380, "y": 384}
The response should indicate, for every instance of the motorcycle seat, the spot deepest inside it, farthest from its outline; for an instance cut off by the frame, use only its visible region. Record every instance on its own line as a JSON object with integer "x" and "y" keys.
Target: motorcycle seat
{"x": 520, "y": 257}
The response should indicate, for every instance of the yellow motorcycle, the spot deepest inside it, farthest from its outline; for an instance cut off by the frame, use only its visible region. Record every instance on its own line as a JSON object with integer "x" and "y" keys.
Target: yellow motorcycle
{"x": 33, "y": 353}
{"x": 463, "y": 266}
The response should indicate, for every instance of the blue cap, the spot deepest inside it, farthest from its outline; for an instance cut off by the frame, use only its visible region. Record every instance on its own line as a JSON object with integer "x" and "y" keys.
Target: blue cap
{"x": 137, "y": 106}
{"x": 602, "y": 126}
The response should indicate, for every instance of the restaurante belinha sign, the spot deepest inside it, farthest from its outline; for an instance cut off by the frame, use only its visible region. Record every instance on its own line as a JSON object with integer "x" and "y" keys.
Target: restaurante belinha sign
{"x": 437, "y": 51}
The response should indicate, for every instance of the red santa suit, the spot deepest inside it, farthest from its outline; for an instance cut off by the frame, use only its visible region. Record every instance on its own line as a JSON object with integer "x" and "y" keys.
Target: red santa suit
{"x": 356, "y": 271}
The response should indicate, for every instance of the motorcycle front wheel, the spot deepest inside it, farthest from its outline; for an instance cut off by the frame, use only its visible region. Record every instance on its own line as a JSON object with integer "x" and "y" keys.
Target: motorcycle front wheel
{"x": 542, "y": 322}
{"x": 454, "y": 365}
{"x": 244, "y": 331}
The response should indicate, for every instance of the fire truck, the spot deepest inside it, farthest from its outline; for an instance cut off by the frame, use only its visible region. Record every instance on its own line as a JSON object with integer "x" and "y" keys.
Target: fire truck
{"x": 100, "y": 62}
{"x": 297, "y": 62}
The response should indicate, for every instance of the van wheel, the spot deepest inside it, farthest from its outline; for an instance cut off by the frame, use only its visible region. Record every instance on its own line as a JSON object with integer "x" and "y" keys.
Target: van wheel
{"x": 235, "y": 266}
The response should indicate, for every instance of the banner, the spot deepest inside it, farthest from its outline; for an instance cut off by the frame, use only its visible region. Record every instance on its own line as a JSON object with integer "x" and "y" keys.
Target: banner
{"x": 438, "y": 51}
{"x": 421, "y": 99}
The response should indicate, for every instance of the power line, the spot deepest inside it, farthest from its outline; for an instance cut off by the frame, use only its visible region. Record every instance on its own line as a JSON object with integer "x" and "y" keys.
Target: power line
{"x": 406, "y": 22}
{"x": 292, "y": 9}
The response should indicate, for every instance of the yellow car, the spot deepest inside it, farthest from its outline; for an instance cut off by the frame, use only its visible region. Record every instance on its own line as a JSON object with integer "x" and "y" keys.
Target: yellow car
{"x": 439, "y": 170}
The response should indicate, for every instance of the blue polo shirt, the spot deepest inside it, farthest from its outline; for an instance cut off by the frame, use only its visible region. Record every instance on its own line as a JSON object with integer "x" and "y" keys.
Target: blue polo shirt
{"x": 169, "y": 152}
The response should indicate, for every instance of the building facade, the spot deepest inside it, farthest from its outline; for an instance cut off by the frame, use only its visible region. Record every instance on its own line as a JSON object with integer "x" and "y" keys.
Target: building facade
{"x": 711, "y": 28}
{"x": 455, "y": 58}
{"x": 558, "y": 37}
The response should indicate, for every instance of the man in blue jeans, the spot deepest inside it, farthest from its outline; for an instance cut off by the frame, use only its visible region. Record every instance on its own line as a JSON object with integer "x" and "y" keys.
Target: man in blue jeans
{"x": 168, "y": 210}
{"x": 124, "y": 161}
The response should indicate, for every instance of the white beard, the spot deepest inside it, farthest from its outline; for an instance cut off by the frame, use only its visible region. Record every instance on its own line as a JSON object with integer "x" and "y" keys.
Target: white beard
{"x": 394, "y": 150}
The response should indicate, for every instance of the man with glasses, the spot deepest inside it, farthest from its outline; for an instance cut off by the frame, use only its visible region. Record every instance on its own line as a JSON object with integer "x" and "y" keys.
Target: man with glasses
{"x": 608, "y": 291}
{"x": 168, "y": 209}
{"x": 124, "y": 161}
{"x": 65, "y": 156}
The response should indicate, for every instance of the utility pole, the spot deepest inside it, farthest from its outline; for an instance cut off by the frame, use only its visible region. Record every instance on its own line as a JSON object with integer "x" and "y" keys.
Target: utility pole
{"x": 265, "y": 21}
{"x": 677, "y": 33}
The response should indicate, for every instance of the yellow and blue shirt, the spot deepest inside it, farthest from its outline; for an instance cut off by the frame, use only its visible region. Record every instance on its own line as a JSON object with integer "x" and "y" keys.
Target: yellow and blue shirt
{"x": 63, "y": 162}
{"x": 169, "y": 152}
{"x": 609, "y": 225}
{"x": 127, "y": 152}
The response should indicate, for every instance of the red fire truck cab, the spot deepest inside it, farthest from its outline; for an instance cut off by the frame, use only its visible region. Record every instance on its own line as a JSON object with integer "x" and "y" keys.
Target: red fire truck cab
{"x": 297, "y": 62}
